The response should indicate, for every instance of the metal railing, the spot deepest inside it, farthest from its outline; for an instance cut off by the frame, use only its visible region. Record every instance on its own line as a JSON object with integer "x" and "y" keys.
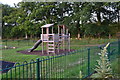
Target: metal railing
{"x": 18, "y": 43}
{"x": 67, "y": 65}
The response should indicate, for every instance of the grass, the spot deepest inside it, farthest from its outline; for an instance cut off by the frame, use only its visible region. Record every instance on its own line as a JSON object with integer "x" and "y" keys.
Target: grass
{"x": 69, "y": 65}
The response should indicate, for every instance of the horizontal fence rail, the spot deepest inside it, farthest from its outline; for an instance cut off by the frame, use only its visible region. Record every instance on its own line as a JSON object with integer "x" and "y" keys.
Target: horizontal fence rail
{"x": 18, "y": 43}
{"x": 68, "y": 65}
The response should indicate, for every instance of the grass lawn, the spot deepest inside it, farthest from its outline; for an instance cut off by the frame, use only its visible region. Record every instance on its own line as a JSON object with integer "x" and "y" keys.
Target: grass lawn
{"x": 69, "y": 65}
{"x": 12, "y": 55}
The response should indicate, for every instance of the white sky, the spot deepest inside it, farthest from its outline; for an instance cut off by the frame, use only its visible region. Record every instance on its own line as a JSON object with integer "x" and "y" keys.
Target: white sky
{"x": 10, "y": 2}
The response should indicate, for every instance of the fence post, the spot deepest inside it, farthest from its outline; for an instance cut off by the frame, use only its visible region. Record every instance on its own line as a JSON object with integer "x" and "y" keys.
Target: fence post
{"x": 28, "y": 42}
{"x": 6, "y": 42}
{"x": 38, "y": 69}
{"x": 18, "y": 42}
{"x": 88, "y": 61}
{"x": 118, "y": 46}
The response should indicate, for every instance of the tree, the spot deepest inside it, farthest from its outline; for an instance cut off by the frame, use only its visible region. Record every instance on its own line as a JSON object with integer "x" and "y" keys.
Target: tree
{"x": 103, "y": 68}
{"x": 7, "y": 21}
{"x": 79, "y": 15}
{"x": 82, "y": 18}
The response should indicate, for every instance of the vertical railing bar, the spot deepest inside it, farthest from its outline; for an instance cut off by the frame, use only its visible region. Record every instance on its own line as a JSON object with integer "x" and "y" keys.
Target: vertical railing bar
{"x": 18, "y": 42}
{"x": 45, "y": 68}
{"x": 63, "y": 67}
{"x": 33, "y": 69}
{"x": 80, "y": 57}
{"x": 6, "y": 75}
{"x": 23, "y": 71}
{"x": 28, "y": 42}
{"x": 19, "y": 72}
{"x": 38, "y": 69}
{"x": 41, "y": 68}
{"x": 119, "y": 47}
{"x": 88, "y": 61}
{"x": 59, "y": 67}
{"x": 6, "y": 42}
{"x": 49, "y": 61}
{"x": 56, "y": 68}
{"x": 15, "y": 72}
{"x": 11, "y": 73}
{"x": 51, "y": 69}
{"x": 48, "y": 70}
{"x": 27, "y": 71}
{"x": 53, "y": 66}
{"x": 30, "y": 71}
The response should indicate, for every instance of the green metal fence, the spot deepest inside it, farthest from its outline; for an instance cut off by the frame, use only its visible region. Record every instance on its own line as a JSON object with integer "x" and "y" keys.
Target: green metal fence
{"x": 18, "y": 43}
{"x": 67, "y": 65}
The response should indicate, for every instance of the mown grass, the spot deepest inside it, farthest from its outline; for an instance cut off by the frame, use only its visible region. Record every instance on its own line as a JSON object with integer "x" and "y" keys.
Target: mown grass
{"x": 69, "y": 65}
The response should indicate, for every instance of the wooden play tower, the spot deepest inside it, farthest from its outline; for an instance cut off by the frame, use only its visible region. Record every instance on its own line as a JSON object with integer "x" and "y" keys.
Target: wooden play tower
{"x": 55, "y": 40}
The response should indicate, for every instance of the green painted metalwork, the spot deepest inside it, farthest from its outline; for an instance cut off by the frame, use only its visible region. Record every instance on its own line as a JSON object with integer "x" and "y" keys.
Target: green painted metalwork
{"x": 18, "y": 42}
{"x": 88, "y": 61}
{"x": 119, "y": 47}
{"x": 38, "y": 69}
{"x": 23, "y": 71}
{"x": 41, "y": 69}
{"x": 60, "y": 66}
{"x": 11, "y": 74}
{"x": 6, "y": 75}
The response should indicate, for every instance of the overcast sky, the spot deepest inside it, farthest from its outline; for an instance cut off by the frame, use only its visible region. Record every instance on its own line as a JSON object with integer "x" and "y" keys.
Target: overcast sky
{"x": 10, "y": 2}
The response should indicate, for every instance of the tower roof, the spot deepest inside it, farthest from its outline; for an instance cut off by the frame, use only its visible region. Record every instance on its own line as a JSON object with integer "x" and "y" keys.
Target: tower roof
{"x": 47, "y": 25}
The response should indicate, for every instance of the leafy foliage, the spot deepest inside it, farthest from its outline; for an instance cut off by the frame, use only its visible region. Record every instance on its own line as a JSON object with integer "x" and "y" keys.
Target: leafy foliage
{"x": 82, "y": 18}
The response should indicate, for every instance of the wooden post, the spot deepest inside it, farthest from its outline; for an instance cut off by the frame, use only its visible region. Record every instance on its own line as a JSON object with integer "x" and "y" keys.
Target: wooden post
{"x": 42, "y": 42}
{"x": 52, "y": 30}
{"x": 69, "y": 42}
{"x": 63, "y": 29}
{"x": 58, "y": 30}
{"x": 47, "y": 30}
{"x": 67, "y": 31}
{"x": 42, "y": 30}
{"x": 59, "y": 38}
{"x": 54, "y": 43}
{"x": 58, "y": 47}
{"x": 63, "y": 37}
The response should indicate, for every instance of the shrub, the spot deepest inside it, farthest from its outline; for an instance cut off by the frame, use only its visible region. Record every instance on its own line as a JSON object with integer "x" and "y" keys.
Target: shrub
{"x": 103, "y": 68}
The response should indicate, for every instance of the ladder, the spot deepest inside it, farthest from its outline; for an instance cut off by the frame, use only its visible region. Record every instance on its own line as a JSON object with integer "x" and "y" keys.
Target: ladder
{"x": 51, "y": 44}
{"x": 51, "y": 47}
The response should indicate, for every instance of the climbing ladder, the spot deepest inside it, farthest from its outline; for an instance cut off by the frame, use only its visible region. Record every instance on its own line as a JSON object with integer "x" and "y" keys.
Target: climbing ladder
{"x": 51, "y": 44}
{"x": 51, "y": 47}
{"x": 52, "y": 40}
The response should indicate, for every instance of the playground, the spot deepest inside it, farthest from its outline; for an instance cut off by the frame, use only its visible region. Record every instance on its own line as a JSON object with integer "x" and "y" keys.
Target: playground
{"x": 52, "y": 43}
{"x": 72, "y": 58}
{"x": 60, "y": 40}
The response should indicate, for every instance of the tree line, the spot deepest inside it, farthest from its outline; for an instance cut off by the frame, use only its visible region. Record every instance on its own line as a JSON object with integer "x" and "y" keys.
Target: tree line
{"x": 84, "y": 19}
